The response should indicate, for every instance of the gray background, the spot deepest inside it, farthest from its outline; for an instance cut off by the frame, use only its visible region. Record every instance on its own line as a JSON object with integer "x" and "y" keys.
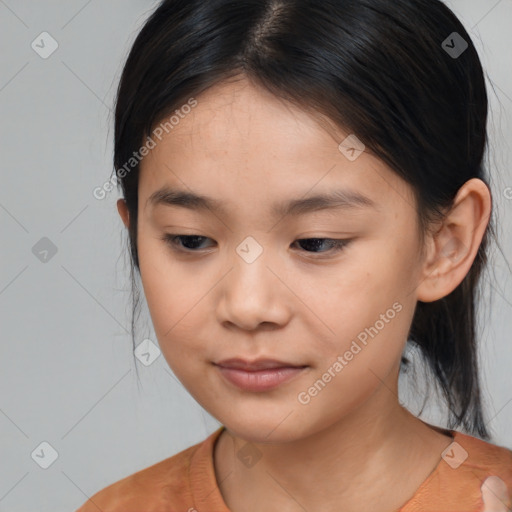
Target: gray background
{"x": 67, "y": 374}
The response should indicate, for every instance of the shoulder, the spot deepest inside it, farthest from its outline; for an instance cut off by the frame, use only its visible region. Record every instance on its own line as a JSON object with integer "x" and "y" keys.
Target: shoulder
{"x": 483, "y": 458}
{"x": 162, "y": 487}
{"x": 465, "y": 464}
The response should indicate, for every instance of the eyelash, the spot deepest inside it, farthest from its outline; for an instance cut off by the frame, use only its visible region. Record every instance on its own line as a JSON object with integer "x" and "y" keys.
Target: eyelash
{"x": 173, "y": 241}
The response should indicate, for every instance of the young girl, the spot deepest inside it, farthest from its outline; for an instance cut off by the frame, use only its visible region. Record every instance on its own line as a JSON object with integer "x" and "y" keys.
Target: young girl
{"x": 304, "y": 193}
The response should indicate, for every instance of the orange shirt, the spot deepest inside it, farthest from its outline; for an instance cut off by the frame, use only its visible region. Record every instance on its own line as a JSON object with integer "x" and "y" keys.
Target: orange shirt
{"x": 186, "y": 481}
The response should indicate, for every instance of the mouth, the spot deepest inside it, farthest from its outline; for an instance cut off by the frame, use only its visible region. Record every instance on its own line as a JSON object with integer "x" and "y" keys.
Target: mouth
{"x": 259, "y": 375}
{"x": 258, "y": 364}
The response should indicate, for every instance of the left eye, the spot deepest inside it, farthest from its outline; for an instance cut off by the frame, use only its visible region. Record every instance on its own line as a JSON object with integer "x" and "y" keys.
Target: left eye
{"x": 191, "y": 243}
{"x": 316, "y": 243}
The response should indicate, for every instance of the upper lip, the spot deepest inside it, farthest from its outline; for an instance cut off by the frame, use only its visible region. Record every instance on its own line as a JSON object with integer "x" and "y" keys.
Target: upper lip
{"x": 258, "y": 364}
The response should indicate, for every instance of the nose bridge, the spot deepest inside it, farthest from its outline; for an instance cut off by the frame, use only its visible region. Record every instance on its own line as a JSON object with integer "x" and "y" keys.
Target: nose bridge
{"x": 252, "y": 293}
{"x": 251, "y": 279}
{"x": 250, "y": 250}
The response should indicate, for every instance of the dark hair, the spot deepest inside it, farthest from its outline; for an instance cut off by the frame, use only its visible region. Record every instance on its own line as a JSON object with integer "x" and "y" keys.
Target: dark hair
{"x": 380, "y": 69}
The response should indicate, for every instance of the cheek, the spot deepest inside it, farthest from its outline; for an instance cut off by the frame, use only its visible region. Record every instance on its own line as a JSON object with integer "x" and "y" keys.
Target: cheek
{"x": 369, "y": 309}
{"x": 355, "y": 364}
{"x": 355, "y": 297}
{"x": 170, "y": 293}
{"x": 179, "y": 305}
{"x": 367, "y": 340}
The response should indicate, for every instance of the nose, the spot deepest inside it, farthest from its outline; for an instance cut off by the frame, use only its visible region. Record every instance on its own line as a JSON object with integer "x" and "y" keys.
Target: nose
{"x": 253, "y": 295}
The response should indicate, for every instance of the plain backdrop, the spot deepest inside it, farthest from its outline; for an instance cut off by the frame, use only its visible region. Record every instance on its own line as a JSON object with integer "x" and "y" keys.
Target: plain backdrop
{"x": 67, "y": 371}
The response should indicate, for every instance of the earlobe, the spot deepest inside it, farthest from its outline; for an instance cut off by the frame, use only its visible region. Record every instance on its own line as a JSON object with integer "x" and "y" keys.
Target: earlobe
{"x": 123, "y": 212}
{"x": 454, "y": 246}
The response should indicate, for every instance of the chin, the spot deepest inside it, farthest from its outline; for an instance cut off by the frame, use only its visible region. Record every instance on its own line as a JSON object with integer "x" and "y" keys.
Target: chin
{"x": 268, "y": 429}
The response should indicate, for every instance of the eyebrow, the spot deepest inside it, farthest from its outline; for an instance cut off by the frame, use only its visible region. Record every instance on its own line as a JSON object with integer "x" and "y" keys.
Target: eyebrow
{"x": 333, "y": 199}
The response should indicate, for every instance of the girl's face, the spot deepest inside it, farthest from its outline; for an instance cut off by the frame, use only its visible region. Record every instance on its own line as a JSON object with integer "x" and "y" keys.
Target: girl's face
{"x": 256, "y": 286}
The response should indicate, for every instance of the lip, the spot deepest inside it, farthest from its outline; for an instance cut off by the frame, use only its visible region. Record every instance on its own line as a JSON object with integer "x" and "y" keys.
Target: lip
{"x": 259, "y": 375}
{"x": 258, "y": 364}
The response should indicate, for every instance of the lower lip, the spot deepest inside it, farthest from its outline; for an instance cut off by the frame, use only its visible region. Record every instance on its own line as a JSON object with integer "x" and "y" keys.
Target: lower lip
{"x": 260, "y": 380}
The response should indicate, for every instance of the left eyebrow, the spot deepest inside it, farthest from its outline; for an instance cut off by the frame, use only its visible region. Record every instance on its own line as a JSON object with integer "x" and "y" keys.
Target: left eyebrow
{"x": 332, "y": 199}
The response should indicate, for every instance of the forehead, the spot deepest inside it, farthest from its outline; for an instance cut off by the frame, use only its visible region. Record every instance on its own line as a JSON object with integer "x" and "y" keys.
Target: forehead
{"x": 238, "y": 115}
{"x": 239, "y": 141}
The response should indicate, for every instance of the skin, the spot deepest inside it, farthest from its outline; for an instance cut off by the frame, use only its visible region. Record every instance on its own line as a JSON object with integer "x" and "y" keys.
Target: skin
{"x": 243, "y": 146}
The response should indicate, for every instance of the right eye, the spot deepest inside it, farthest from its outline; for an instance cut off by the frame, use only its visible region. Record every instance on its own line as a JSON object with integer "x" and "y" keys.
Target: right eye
{"x": 183, "y": 243}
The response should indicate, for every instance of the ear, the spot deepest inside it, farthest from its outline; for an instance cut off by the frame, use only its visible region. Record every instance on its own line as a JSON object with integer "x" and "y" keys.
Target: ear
{"x": 451, "y": 250}
{"x": 123, "y": 212}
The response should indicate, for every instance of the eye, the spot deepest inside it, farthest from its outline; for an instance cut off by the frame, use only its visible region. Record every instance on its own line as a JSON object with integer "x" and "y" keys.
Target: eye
{"x": 189, "y": 242}
{"x": 333, "y": 245}
{"x": 192, "y": 243}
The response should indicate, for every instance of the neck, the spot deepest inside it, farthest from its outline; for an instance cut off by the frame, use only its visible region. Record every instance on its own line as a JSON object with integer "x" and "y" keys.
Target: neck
{"x": 379, "y": 442}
